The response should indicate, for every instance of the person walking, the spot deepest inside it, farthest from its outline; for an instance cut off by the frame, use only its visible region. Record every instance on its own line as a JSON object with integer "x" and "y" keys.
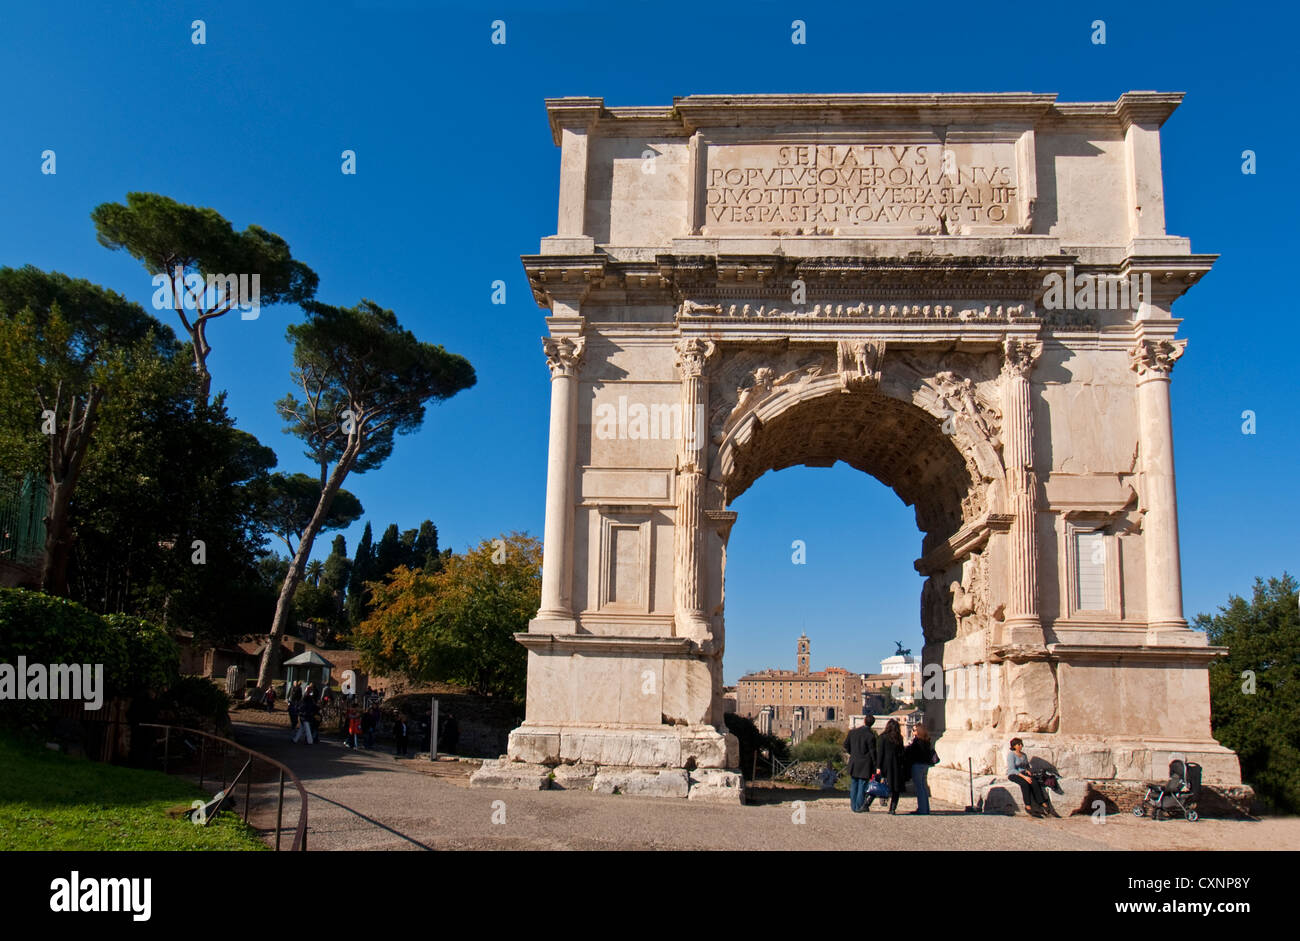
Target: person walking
{"x": 860, "y": 743}
{"x": 306, "y": 720}
{"x": 919, "y": 757}
{"x": 399, "y": 733}
{"x": 293, "y": 712}
{"x": 268, "y": 699}
{"x": 889, "y": 761}
{"x": 353, "y": 728}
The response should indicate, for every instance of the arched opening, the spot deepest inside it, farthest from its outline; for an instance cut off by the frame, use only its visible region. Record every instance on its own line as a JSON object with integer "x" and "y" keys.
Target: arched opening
{"x": 908, "y": 450}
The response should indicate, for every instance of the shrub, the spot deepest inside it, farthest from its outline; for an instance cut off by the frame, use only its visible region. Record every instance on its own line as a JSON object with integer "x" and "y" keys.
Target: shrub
{"x": 752, "y": 740}
{"x": 827, "y": 733}
{"x": 46, "y": 629}
{"x": 811, "y": 750}
{"x": 197, "y": 702}
{"x": 152, "y": 656}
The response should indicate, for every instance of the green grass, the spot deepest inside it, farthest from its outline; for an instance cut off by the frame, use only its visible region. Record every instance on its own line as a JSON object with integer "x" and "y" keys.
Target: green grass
{"x": 50, "y": 801}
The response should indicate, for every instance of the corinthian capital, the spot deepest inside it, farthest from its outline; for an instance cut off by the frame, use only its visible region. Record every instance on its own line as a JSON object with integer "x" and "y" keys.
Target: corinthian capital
{"x": 563, "y": 355}
{"x": 1019, "y": 356}
{"x": 692, "y": 354}
{"x": 1155, "y": 358}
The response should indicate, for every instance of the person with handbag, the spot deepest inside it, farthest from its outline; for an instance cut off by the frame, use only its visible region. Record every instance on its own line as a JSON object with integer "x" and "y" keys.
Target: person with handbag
{"x": 861, "y": 746}
{"x": 920, "y": 757}
{"x": 889, "y": 762}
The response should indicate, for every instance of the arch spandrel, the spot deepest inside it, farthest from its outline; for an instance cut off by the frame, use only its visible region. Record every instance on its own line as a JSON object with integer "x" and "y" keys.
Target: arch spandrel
{"x": 927, "y": 432}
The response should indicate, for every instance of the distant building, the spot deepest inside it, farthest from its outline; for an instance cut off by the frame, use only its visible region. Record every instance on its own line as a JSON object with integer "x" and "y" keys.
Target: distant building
{"x": 900, "y": 675}
{"x": 794, "y": 703}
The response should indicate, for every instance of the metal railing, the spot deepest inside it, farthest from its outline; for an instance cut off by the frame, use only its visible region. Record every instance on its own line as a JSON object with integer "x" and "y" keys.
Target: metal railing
{"x": 22, "y": 520}
{"x": 223, "y": 747}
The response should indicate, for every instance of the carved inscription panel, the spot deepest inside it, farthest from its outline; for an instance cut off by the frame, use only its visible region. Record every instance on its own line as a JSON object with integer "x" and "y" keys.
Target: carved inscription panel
{"x": 916, "y": 187}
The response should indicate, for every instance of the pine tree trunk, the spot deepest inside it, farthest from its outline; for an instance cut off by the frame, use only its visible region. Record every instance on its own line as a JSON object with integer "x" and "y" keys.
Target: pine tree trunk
{"x": 270, "y": 666}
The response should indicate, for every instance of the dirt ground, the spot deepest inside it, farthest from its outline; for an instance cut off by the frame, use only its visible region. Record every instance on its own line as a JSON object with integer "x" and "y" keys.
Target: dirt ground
{"x": 372, "y": 800}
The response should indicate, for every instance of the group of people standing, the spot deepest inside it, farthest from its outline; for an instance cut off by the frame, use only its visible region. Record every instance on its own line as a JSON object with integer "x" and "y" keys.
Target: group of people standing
{"x": 879, "y": 765}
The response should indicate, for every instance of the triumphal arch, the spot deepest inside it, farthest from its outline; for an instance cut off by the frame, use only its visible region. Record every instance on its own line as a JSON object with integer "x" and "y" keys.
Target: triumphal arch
{"x": 967, "y": 296}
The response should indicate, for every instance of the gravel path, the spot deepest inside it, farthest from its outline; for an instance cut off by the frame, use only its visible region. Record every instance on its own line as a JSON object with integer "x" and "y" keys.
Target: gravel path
{"x": 368, "y": 800}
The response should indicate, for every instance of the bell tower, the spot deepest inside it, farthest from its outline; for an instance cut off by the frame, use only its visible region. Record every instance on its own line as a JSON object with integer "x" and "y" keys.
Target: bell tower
{"x": 804, "y": 654}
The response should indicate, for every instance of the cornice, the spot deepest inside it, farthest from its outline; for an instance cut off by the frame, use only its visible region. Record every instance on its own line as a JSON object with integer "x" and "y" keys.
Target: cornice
{"x": 604, "y": 644}
{"x": 574, "y": 113}
{"x": 566, "y": 276}
{"x": 690, "y": 113}
{"x": 702, "y": 111}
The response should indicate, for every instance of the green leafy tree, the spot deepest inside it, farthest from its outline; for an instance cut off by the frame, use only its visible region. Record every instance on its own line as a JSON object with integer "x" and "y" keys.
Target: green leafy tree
{"x": 181, "y": 242}
{"x": 1255, "y": 690}
{"x": 427, "y": 556}
{"x": 334, "y": 576}
{"x": 291, "y": 499}
{"x": 458, "y": 625}
{"x": 388, "y": 554}
{"x": 168, "y": 510}
{"x": 66, "y": 347}
{"x": 362, "y": 571}
{"x": 364, "y": 380}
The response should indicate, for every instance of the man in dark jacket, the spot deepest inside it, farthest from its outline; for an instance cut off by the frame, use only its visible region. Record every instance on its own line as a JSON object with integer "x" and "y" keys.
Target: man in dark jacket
{"x": 861, "y": 746}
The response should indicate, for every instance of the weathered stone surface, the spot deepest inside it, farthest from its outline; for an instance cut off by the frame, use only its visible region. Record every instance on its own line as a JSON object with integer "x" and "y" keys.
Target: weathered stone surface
{"x": 719, "y": 787}
{"x": 534, "y": 747}
{"x": 574, "y": 777}
{"x": 636, "y": 748}
{"x": 517, "y": 775}
{"x": 643, "y": 782}
{"x": 708, "y": 748}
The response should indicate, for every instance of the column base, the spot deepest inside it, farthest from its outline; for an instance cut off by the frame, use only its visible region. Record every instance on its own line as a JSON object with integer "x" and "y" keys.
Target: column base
{"x": 1082, "y": 757}
{"x": 1022, "y": 630}
{"x": 553, "y": 622}
{"x": 700, "y": 746}
{"x": 1173, "y": 632}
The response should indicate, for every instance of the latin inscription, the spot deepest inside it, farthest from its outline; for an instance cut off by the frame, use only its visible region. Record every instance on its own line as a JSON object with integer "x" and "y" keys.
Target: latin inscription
{"x": 923, "y": 186}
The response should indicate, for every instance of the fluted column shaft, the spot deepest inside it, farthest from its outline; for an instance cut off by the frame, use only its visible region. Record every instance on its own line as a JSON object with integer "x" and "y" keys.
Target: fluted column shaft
{"x": 563, "y": 356}
{"x": 692, "y": 461}
{"x": 1018, "y": 455}
{"x": 1153, "y": 361}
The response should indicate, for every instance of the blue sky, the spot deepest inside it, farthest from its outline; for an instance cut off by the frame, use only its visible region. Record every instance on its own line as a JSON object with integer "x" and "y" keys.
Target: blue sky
{"x": 457, "y": 177}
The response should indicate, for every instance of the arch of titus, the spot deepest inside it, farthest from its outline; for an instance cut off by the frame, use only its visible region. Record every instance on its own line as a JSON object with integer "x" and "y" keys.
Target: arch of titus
{"x": 967, "y": 296}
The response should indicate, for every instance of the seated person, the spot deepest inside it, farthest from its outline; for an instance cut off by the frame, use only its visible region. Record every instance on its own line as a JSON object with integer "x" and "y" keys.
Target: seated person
{"x": 1031, "y": 788}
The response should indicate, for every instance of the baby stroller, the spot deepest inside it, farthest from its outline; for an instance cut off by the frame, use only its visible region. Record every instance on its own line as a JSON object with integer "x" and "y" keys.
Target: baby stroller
{"x": 1180, "y": 793}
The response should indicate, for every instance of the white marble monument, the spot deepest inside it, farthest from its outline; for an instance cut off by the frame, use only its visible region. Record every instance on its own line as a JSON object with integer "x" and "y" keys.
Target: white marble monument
{"x": 967, "y": 296}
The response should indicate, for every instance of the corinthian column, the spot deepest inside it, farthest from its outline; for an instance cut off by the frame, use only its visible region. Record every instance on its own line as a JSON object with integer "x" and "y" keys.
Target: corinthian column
{"x": 1153, "y": 361}
{"x": 692, "y": 460}
{"x": 563, "y": 357}
{"x": 1019, "y": 358}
